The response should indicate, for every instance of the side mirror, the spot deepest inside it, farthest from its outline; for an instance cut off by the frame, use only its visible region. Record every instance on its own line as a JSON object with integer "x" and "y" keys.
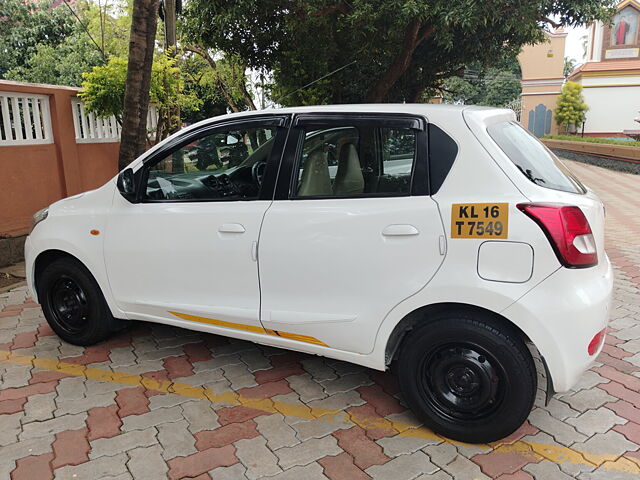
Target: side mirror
{"x": 127, "y": 184}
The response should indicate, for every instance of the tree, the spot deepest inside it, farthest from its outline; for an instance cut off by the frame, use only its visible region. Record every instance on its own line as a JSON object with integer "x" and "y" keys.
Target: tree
{"x": 26, "y": 25}
{"x": 571, "y": 108}
{"x": 144, "y": 20}
{"x": 62, "y": 64}
{"x": 201, "y": 81}
{"x": 569, "y": 65}
{"x": 496, "y": 86}
{"x": 42, "y": 41}
{"x": 104, "y": 89}
{"x": 393, "y": 50}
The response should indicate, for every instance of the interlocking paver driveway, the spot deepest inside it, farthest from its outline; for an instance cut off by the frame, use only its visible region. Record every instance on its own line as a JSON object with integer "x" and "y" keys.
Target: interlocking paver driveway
{"x": 158, "y": 402}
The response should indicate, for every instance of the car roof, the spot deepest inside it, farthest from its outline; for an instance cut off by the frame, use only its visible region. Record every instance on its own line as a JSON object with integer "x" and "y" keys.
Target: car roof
{"x": 440, "y": 114}
{"x": 433, "y": 112}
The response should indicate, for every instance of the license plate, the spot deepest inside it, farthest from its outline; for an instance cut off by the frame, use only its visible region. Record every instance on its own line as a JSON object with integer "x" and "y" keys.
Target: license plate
{"x": 480, "y": 220}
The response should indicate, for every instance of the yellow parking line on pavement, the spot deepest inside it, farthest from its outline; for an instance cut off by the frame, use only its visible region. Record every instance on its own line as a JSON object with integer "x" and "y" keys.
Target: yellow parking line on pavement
{"x": 537, "y": 451}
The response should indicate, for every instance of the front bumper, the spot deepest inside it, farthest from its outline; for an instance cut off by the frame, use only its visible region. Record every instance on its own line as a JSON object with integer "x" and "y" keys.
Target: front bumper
{"x": 29, "y": 267}
{"x": 562, "y": 314}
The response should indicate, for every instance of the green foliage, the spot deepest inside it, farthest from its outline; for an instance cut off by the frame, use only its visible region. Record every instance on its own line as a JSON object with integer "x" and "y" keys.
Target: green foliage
{"x": 44, "y": 44}
{"x": 575, "y": 138}
{"x": 569, "y": 65}
{"x": 109, "y": 24}
{"x": 168, "y": 94}
{"x": 304, "y": 40}
{"x": 27, "y": 24}
{"x": 199, "y": 82}
{"x": 63, "y": 64}
{"x": 570, "y": 106}
{"x": 494, "y": 87}
{"x": 104, "y": 88}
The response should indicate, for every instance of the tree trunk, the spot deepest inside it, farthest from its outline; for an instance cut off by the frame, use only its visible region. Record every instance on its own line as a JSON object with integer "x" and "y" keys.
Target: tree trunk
{"x": 144, "y": 21}
{"x": 170, "y": 13}
{"x": 412, "y": 38}
{"x": 245, "y": 94}
{"x": 170, "y": 24}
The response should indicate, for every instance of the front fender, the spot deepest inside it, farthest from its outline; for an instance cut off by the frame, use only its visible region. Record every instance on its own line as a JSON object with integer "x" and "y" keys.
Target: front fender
{"x": 75, "y": 226}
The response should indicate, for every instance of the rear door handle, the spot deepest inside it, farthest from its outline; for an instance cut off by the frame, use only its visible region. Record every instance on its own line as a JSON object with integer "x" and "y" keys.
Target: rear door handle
{"x": 231, "y": 228}
{"x": 399, "y": 230}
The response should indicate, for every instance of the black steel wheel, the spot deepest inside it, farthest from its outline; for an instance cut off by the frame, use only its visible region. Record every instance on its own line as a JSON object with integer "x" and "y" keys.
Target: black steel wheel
{"x": 73, "y": 303}
{"x": 68, "y": 304}
{"x": 467, "y": 377}
{"x": 462, "y": 381}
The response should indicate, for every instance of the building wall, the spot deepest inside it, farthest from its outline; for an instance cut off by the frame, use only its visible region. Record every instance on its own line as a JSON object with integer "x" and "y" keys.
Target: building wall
{"x": 611, "y": 108}
{"x": 31, "y": 179}
{"x": 594, "y": 46}
{"x": 544, "y": 60}
{"x": 38, "y": 172}
{"x": 98, "y": 162}
{"x": 542, "y": 77}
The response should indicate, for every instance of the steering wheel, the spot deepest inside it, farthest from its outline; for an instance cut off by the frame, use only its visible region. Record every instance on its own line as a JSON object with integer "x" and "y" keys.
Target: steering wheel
{"x": 257, "y": 172}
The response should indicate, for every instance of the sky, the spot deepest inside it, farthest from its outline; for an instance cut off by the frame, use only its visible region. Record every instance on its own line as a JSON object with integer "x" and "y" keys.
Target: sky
{"x": 573, "y": 45}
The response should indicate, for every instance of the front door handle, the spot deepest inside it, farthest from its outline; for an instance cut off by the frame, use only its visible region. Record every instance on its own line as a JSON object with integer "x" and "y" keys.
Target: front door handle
{"x": 399, "y": 230}
{"x": 231, "y": 228}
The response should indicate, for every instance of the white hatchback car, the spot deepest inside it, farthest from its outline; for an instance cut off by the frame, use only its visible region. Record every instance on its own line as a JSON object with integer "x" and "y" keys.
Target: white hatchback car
{"x": 440, "y": 240}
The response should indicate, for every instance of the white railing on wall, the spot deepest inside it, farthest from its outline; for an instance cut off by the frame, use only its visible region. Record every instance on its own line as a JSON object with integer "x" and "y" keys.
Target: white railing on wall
{"x": 24, "y": 119}
{"x": 90, "y": 128}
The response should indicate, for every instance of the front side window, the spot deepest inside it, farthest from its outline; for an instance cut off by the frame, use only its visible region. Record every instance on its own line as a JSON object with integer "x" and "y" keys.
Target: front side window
{"x": 354, "y": 161}
{"x": 533, "y": 159}
{"x": 227, "y": 164}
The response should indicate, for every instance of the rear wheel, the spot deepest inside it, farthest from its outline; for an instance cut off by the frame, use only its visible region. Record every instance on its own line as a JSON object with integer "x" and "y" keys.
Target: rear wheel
{"x": 73, "y": 303}
{"x": 467, "y": 378}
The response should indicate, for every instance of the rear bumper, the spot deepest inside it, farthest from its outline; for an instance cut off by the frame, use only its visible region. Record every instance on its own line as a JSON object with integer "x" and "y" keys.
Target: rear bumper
{"x": 562, "y": 314}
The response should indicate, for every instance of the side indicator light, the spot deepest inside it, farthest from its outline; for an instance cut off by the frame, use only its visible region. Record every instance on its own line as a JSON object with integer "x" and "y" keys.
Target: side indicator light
{"x": 94, "y": 232}
{"x": 596, "y": 342}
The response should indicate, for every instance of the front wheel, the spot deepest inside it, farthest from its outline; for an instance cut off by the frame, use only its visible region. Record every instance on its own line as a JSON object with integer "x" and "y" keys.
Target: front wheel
{"x": 467, "y": 378}
{"x": 73, "y": 303}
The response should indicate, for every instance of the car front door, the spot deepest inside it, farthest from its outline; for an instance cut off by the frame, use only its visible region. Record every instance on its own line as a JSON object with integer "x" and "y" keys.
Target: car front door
{"x": 185, "y": 252}
{"x": 352, "y": 231}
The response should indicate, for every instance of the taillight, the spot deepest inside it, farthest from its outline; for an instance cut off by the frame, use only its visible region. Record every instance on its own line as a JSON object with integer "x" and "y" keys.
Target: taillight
{"x": 568, "y": 230}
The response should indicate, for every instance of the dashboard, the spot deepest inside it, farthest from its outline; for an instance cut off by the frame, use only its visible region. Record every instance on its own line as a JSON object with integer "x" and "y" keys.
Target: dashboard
{"x": 202, "y": 185}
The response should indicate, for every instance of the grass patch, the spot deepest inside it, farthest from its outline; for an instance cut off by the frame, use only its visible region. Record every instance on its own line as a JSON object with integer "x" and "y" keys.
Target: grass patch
{"x": 572, "y": 138}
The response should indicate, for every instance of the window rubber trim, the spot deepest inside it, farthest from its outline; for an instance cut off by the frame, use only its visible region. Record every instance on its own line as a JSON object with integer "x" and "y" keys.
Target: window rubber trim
{"x": 385, "y": 120}
{"x": 181, "y": 140}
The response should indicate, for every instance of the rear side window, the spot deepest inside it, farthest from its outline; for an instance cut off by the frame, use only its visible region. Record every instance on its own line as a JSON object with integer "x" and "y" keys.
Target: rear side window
{"x": 355, "y": 161}
{"x": 533, "y": 159}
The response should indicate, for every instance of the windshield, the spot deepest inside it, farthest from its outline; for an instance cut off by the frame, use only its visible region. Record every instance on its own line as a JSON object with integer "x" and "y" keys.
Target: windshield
{"x": 533, "y": 159}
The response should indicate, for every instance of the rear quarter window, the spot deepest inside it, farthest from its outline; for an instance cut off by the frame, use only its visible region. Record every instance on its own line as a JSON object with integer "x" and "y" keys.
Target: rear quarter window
{"x": 442, "y": 153}
{"x": 533, "y": 159}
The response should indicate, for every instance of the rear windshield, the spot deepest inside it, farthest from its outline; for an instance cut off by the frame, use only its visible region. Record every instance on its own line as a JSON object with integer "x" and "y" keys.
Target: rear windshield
{"x": 533, "y": 159}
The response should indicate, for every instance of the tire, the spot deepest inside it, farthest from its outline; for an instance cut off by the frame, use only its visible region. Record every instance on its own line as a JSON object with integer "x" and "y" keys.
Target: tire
{"x": 467, "y": 378}
{"x": 73, "y": 303}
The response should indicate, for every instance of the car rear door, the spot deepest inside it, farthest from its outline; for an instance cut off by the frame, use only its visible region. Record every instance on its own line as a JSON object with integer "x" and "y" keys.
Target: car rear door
{"x": 352, "y": 230}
